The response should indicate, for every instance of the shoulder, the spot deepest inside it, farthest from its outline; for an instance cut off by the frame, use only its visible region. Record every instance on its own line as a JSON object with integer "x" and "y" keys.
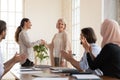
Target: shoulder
{"x": 111, "y": 48}
{"x": 65, "y": 34}
{"x": 55, "y": 34}
{"x": 23, "y": 33}
{"x": 95, "y": 49}
{"x": 111, "y": 45}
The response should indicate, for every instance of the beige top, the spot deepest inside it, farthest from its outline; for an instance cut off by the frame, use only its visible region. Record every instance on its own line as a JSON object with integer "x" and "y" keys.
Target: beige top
{"x": 25, "y": 44}
{"x": 60, "y": 42}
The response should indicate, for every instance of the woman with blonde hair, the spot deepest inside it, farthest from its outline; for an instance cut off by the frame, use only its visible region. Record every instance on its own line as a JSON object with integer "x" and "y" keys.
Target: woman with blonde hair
{"x": 59, "y": 42}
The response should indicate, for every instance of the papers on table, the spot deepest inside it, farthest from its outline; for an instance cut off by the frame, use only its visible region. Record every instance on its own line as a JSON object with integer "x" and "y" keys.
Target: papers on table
{"x": 86, "y": 76}
{"x": 51, "y": 78}
{"x": 42, "y": 66}
{"x": 46, "y": 75}
{"x": 59, "y": 68}
{"x": 30, "y": 70}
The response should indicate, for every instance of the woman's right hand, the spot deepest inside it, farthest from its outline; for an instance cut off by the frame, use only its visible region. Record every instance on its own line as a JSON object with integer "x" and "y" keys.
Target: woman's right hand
{"x": 42, "y": 42}
{"x": 85, "y": 44}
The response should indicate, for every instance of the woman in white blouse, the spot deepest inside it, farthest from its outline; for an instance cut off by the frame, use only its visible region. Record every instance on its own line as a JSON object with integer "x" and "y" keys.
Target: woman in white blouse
{"x": 23, "y": 40}
{"x": 59, "y": 42}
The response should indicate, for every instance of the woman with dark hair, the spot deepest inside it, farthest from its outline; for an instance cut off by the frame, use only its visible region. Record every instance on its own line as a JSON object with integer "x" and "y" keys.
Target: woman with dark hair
{"x": 108, "y": 60}
{"x": 22, "y": 38}
{"x": 82, "y": 65}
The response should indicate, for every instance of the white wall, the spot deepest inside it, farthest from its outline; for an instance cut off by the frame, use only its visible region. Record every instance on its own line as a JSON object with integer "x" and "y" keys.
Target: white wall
{"x": 91, "y": 16}
{"x": 67, "y": 15}
{"x": 43, "y": 15}
{"x": 110, "y": 9}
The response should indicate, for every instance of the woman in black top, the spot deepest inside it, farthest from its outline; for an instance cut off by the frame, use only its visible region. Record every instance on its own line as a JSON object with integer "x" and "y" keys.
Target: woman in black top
{"x": 108, "y": 60}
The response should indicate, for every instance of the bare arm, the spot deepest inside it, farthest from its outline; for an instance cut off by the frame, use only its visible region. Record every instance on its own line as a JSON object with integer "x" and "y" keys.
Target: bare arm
{"x": 51, "y": 46}
{"x": 70, "y": 59}
{"x": 9, "y": 64}
{"x": 25, "y": 38}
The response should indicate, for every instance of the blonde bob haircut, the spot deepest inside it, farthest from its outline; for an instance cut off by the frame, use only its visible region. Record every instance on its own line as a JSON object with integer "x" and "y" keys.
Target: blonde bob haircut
{"x": 62, "y": 20}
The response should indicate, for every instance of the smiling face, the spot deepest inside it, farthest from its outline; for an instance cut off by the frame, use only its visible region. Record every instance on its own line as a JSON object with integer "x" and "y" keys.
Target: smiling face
{"x": 28, "y": 24}
{"x": 60, "y": 25}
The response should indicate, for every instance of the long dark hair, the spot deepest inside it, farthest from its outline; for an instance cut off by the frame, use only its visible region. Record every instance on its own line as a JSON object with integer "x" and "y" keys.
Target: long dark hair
{"x": 2, "y": 26}
{"x": 89, "y": 34}
{"x": 19, "y": 29}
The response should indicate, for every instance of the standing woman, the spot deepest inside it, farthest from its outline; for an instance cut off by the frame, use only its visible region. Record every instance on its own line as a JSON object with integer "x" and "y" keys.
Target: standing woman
{"x": 22, "y": 38}
{"x": 59, "y": 42}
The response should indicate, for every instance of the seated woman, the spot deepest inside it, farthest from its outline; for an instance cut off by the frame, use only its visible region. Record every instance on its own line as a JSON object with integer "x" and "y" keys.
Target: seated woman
{"x": 82, "y": 65}
{"x": 108, "y": 61}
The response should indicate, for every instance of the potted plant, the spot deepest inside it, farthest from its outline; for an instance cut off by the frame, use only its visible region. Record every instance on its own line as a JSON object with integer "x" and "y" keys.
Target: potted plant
{"x": 41, "y": 52}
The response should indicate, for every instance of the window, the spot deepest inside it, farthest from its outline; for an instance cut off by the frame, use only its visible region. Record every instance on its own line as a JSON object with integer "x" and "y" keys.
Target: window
{"x": 76, "y": 28}
{"x": 11, "y": 12}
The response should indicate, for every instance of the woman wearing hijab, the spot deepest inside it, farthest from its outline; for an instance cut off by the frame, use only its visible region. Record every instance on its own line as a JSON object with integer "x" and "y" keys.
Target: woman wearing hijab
{"x": 108, "y": 61}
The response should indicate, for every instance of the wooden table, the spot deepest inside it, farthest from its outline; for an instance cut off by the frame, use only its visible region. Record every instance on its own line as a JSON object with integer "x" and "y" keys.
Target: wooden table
{"x": 15, "y": 71}
{"x": 108, "y": 78}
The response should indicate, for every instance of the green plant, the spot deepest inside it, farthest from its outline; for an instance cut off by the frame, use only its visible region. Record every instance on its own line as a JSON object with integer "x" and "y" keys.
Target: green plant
{"x": 41, "y": 51}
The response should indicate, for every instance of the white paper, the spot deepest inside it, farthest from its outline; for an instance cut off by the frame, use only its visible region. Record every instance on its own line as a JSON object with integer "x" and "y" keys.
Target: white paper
{"x": 26, "y": 69}
{"x": 29, "y": 72}
{"x": 50, "y": 78}
{"x": 86, "y": 76}
{"x": 59, "y": 68}
{"x": 46, "y": 75}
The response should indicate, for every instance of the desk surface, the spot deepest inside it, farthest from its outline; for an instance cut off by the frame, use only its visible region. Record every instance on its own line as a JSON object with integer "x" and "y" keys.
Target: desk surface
{"x": 30, "y": 76}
